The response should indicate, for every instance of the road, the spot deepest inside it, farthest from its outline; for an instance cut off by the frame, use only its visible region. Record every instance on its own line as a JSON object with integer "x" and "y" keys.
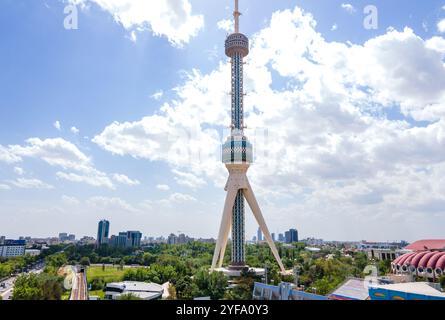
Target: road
{"x": 79, "y": 290}
{"x": 7, "y": 290}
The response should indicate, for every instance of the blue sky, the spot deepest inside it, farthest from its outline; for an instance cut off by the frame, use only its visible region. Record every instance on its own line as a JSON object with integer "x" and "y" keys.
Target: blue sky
{"x": 97, "y": 75}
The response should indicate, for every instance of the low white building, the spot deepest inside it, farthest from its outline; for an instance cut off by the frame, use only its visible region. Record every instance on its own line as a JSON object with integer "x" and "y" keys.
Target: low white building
{"x": 33, "y": 252}
{"x": 12, "y": 248}
{"x": 142, "y": 290}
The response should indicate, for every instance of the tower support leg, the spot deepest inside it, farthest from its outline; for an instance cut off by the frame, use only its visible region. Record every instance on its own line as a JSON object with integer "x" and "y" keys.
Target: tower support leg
{"x": 253, "y": 203}
{"x": 224, "y": 241}
{"x": 224, "y": 229}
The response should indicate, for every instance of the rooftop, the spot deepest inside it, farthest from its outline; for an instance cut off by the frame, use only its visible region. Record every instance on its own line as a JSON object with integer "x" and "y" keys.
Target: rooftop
{"x": 352, "y": 289}
{"x": 421, "y": 288}
{"x": 427, "y": 245}
{"x": 143, "y": 290}
{"x": 136, "y": 286}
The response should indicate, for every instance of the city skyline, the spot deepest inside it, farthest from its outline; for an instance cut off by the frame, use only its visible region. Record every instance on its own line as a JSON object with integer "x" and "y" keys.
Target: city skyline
{"x": 122, "y": 119}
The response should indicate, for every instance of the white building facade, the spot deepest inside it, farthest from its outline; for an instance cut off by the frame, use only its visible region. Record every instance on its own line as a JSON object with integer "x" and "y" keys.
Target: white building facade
{"x": 12, "y": 248}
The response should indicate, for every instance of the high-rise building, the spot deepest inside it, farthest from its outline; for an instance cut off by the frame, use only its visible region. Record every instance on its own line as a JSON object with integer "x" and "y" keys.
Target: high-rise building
{"x": 237, "y": 155}
{"x": 134, "y": 239}
{"x": 281, "y": 237}
{"x": 103, "y": 231}
{"x": 287, "y": 237}
{"x": 294, "y": 235}
{"x": 172, "y": 239}
{"x": 63, "y": 236}
{"x": 273, "y": 237}
{"x": 126, "y": 239}
{"x": 182, "y": 238}
{"x": 259, "y": 235}
{"x": 291, "y": 236}
{"x": 122, "y": 239}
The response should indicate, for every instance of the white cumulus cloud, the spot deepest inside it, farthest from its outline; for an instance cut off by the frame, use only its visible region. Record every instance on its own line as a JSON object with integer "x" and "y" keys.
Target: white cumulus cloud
{"x": 56, "y": 152}
{"x": 93, "y": 178}
{"x": 61, "y": 153}
{"x": 113, "y": 203}
{"x": 30, "y": 184}
{"x": 7, "y": 156}
{"x": 57, "y": 125}
{"x": 71, "y": 201}
{"x": 157, "y": 95}
{"x": 163, "y": 187}
{"x": 226, "y": 25}
{"x": 74, "y": 130}
{"x": 188, "y": 179}
{"x": 19, "y": 171}
{"x": 441, "y": 26}
{"x": 172, "y": 19}
{"x": 348, "y": 7}
{"x": 123, "y": 179}
{"x": 181, "y": 198}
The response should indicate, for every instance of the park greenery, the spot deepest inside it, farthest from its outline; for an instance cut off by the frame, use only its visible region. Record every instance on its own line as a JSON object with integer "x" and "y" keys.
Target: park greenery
{"x": 47, "y": 285}
{"x": 9, "y": 266}
{"x": 12, "y": 265}
{"x": 43, "y": 286}
{"x": 185, "y": 267}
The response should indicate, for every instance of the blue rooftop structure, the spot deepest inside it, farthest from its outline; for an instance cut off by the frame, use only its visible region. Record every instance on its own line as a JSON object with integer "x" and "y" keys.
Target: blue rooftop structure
{"x": 285, "y": 291}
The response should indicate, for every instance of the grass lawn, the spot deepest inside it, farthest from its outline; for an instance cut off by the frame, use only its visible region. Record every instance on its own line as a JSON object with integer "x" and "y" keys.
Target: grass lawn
{"x": 66, "y": 295}
{"x": 109, "y": 274}
{"x": 98, "y": 293}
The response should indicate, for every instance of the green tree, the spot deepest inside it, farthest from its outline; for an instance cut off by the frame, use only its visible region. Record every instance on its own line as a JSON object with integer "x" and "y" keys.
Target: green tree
{"x": 242, "y": 290}
{"x": 384, "y": 267}
{"x": 56, "y": 261}
{"x": 148, "y": 259}
{"x": 85, "y": 261}
{"x": 129, "y": 296}
{"x": 98, "y": 284}
{"x": 172, "y": 292}
{"x": 38, "y": 287}
{"x": 211, "y": 284}
{"x": 442, "y": 281}
{"x": 186, "y": 289}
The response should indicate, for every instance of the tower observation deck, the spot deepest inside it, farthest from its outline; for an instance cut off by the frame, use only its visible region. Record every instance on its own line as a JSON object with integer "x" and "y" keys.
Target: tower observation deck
{"x": 237, "y": 148}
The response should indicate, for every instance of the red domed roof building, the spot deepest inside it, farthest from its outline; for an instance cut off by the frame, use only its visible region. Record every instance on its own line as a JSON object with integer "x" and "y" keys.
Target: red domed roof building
{"x": 427, "y": 259}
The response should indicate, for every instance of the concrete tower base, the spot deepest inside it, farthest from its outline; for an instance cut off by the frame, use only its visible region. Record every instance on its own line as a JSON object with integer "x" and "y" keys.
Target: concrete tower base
{"x": 236, "y": 273}
{"x": 238, "y": 181}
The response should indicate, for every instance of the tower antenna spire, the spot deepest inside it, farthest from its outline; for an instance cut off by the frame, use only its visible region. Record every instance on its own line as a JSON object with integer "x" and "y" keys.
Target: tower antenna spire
{"x": 236, "y": 14}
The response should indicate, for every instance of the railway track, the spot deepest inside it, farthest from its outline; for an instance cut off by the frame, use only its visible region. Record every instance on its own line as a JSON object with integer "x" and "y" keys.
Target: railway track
{"x": 79, "y": 290}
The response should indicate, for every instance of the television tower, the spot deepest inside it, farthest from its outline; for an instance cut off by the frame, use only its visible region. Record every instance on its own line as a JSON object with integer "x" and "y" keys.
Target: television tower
{"x": 237, "y": 155}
